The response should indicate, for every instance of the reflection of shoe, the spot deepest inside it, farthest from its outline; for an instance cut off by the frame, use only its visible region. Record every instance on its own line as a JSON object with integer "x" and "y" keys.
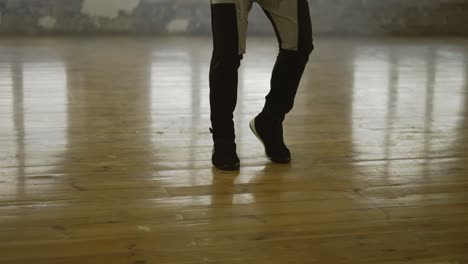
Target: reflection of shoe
{"x": 271, "y": 135}
{"x": 224, "y": 154}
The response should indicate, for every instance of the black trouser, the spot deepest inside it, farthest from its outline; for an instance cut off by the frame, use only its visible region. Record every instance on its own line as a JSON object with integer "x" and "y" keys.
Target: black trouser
{"x": 292, "y": 24}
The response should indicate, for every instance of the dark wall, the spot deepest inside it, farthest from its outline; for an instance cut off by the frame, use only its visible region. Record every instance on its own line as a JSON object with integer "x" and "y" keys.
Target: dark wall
{"x": 364, "y": 17}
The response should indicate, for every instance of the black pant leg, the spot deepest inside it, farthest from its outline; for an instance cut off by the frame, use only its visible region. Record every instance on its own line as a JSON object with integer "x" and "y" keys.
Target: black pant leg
{"x": 290, "y": 65}
{"x": 224, "y": 69}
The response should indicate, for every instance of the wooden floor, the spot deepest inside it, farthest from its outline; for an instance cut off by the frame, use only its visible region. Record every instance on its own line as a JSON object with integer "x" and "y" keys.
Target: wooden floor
{"x": 105, "y": 155}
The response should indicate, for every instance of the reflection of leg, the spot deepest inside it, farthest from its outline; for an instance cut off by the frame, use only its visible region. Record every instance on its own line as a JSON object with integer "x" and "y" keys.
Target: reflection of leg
{"x": 295, "y": 41}
{"x": 223, "y": 82}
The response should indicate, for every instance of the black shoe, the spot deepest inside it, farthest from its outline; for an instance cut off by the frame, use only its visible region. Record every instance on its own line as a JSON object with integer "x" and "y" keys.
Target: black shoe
{"x": 224, "y": 154}
{"x": 270, "y": 133}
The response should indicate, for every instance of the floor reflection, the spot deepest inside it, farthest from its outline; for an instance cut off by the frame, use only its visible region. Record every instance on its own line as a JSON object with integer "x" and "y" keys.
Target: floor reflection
{"x": 151, "y": 107}
{"x": 35, "y": 126}
{"x": 407, "y": 103}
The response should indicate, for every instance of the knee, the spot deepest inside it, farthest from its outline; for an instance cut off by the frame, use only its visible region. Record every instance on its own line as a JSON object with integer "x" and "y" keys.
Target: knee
{"x": 305, "y": 50}
{"x": 308, "y": 49}
{"x": 300, "y": 56}
{"x": 223, "y": 60}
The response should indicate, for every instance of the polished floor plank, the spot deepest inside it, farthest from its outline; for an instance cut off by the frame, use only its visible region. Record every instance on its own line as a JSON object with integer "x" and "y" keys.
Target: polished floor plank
{"x": 105, "y": 154}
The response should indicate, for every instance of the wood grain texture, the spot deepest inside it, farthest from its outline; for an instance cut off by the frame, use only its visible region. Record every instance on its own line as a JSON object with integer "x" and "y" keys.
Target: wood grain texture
{"x": 105, "y": 155}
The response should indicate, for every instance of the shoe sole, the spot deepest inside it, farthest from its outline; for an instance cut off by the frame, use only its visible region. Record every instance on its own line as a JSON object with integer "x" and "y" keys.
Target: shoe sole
{"x": 254, "y": 131}
{"x": 227, "y": 167}
{"x": 234, "y": 167}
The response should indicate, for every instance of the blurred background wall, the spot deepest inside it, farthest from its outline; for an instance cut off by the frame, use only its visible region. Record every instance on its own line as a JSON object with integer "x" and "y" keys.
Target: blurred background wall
{"x": 351, "y": 17}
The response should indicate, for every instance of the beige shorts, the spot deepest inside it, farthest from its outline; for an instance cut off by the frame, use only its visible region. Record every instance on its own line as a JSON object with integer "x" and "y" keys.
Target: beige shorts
{"x": 282, "y": 13}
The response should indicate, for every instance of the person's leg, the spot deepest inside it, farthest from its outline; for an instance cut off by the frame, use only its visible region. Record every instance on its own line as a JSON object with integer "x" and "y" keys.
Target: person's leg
{"x": 293, "y": 28}
{"x": 229, "y": 24}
